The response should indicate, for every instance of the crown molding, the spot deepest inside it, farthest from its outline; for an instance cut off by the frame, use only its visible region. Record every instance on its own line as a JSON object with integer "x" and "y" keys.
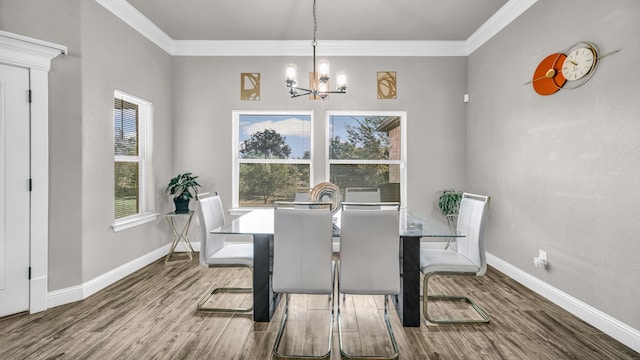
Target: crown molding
{"x": 134, "y": 18}
{"x": 503, "y": 17}
{"x": 131, "y": 16}
{"x": 325, "y": 48}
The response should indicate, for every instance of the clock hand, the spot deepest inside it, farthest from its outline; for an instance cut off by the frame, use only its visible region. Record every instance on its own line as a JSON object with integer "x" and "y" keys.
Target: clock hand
{"x": 550, "y": 74}
{"x": 573, "y": 62}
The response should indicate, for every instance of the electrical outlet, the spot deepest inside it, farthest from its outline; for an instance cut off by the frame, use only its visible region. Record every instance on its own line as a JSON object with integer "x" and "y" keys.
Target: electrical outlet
{"x": 541, "y": 260}
{"x": 543, "y": 255}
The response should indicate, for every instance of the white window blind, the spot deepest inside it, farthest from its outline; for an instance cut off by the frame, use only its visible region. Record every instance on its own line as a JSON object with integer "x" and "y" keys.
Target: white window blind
{"x": 131, "y": 117}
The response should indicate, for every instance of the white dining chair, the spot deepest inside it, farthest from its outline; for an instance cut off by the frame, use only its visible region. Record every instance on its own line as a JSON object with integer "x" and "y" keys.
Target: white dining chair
{"x": 362, "y": 195}
{"x": 301, "y": 195}
{"x": 302, "y": 259}
{"x": 215, "y": 252}
{"x": 468, "y": 260}
{"x": 369, "y": 262}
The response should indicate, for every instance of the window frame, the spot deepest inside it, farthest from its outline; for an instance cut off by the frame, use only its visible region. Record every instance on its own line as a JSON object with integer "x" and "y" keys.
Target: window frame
{"x": 236, "y": 160}
{"x": 403, "y": 146}
{"x": 145, "y": 212}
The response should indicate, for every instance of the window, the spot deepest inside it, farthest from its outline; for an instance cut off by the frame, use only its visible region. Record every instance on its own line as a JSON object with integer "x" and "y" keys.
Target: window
{"x": 272, "y": 156}
{"x": 367, "y": 149}
{"x": 131, "y": 121}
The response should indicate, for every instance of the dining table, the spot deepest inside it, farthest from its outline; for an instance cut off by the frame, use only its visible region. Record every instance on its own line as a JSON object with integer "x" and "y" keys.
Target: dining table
{"x": 415, "y": 226}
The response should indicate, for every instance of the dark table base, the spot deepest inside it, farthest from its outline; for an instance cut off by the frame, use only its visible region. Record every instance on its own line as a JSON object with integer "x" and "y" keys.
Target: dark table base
{"x": 265, "y": 300}
{"x": 407, "y": 303}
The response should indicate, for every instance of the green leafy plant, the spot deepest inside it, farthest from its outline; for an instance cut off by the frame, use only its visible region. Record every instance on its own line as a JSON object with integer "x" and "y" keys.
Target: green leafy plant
{"x": 183, "y": 186}
{"x": 449, "y": 202}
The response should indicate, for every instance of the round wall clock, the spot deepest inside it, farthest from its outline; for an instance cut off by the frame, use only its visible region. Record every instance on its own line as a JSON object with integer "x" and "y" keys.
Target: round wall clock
{"x": 569, "y": 69}
{"x": 548, "y": 77}
{"x": 580, "y": 64}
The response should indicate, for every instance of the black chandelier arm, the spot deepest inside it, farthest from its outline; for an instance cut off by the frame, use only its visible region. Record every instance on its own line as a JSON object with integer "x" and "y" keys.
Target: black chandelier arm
{"x": 297, "y": 92}
{"x": 333, "y": 92}
{"x": 295, "y": 88}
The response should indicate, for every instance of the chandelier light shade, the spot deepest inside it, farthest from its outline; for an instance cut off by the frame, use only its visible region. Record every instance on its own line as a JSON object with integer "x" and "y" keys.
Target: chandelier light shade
{"x": 292, "y": 74}
{"x": 321, "y": 70}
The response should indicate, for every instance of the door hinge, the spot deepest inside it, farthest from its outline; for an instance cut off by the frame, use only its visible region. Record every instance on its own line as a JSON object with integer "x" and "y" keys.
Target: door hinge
{"x": 29, "y": 93}
{"x": 30, "y": 185}
{"x": 29, "y": 272}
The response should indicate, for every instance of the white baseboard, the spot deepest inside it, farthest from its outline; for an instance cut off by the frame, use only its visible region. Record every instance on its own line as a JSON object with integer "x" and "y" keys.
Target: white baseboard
{"x": 182, "y": 248}
{"x": 82, "y": 291}
{"x": 596, "y": 318}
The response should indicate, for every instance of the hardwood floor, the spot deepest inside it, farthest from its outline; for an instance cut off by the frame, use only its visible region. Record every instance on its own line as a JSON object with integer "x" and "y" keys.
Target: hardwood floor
{"x": 151, "y": 315}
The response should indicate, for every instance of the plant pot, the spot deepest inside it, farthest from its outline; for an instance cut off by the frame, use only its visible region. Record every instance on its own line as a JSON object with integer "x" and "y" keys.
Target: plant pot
{"x": 182, "y": 205}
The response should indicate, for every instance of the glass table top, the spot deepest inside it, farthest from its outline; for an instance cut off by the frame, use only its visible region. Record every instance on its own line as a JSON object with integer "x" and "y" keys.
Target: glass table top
{"x": 412, "y": 223}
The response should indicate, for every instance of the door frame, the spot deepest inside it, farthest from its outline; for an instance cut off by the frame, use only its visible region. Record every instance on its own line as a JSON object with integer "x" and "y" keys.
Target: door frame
{"x": 36, "y": 55}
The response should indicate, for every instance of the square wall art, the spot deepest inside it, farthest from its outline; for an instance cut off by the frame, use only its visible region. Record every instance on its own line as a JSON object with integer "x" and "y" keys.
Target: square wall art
{"x": 249, "y": 86}
{"x": 387, "y": 85}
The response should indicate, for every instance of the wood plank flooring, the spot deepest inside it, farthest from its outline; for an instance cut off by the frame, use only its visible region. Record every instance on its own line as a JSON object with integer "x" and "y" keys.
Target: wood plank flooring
{"x": 151, "y": 315}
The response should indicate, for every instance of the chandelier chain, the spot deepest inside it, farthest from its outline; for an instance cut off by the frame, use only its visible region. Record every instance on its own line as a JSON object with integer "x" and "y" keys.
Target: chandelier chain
{"x": 315, "y": 24}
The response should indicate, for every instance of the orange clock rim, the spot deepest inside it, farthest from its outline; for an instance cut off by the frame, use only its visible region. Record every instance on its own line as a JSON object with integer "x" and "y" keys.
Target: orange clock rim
{"x": 548, "y": 86}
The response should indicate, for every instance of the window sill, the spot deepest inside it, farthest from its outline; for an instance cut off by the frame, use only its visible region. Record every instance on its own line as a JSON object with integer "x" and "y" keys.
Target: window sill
{"x": 133, "y": 220}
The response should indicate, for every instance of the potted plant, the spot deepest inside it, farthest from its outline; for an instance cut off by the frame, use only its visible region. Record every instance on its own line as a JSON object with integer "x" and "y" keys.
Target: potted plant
{"x": 449, "y": 204}
{"x": 183, "y": 188}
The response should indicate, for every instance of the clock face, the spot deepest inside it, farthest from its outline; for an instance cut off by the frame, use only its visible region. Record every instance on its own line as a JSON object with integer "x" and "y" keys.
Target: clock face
{"x": 578, "y": 63}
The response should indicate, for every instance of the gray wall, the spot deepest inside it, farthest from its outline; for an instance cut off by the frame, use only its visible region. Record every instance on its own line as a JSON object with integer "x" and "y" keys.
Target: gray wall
{"x": 430, "y": 90}
{"x": 563, "y": 170}
{"x": 118, "y": 57}
{"x": 104, "y": 54}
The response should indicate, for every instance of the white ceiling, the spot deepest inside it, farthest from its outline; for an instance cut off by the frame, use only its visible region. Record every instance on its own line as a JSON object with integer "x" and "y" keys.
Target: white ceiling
{"x": 345, "y": 27}
{"x": 337, "y": 19}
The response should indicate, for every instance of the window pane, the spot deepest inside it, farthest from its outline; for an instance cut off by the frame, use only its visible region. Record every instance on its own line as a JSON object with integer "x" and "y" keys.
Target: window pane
{"x": 364, "y": 137}
{"x": 383, "y": 176}
{"x": 274, "y": 137}
{"x": 125, "y": 119}
{"x": 262, "y": 184}
{"x": 126, "y": 188}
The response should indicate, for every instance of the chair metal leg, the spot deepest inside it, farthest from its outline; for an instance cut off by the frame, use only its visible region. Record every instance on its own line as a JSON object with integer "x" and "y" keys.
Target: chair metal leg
{"x": 278, "y": 355}
{"x": 346, "y": 355}
{"x": 426, "y": 297}
{"x": 203, "y": 300}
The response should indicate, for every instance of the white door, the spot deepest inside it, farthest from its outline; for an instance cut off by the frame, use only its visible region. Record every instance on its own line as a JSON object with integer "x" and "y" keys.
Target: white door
{"x": 14, "y": 190}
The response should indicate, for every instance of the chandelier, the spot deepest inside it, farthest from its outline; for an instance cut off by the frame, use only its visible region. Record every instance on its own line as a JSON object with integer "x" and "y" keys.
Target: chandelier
{"x": 319, "y": 87}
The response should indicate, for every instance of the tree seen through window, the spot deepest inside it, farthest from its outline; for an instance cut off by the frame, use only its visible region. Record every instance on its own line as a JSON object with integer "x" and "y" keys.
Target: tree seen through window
{"x": 274, "y": 155}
